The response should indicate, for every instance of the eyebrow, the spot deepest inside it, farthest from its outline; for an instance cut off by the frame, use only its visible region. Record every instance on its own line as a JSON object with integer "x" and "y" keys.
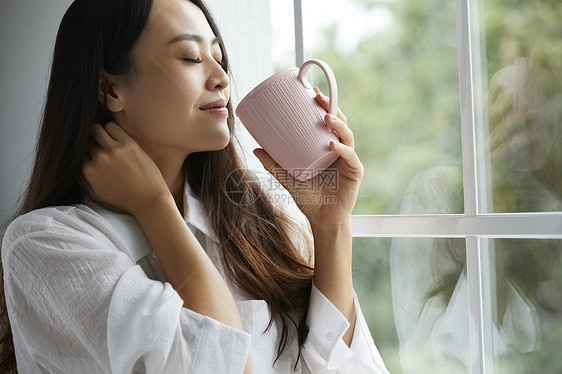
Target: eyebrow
{"x": 192, "y": 37}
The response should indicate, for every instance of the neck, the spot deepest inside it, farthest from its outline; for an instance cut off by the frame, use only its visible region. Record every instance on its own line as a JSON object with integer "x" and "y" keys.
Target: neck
{"x": 176, "y": 185}
{"x": 171, "y": 167}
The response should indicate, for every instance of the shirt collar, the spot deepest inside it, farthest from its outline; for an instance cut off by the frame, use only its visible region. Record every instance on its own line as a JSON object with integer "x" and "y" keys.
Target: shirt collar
{"x": 131, "y": 238}
{"x": 194, "y": 213}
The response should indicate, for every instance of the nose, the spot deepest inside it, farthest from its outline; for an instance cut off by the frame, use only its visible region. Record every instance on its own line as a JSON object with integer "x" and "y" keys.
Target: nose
{"x": 218, "y": 78}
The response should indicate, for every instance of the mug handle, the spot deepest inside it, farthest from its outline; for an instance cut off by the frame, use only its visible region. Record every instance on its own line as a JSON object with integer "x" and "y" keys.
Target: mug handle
{"x": 332, "y": 86}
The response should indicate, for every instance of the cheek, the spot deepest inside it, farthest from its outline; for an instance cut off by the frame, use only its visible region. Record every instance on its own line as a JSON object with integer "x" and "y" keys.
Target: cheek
{"x": 166, "y": 91}
{"x": 159, "y": 102}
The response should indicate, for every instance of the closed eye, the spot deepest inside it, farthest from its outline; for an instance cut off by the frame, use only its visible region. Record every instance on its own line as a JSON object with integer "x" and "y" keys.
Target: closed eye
{"x": 198, "y": 61}
{"x": 193, "y": 60}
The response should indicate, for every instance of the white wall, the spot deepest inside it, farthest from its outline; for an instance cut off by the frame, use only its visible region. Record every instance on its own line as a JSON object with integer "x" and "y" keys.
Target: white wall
{"x": 246, "y": 28}
{"x": 27, "y": 34}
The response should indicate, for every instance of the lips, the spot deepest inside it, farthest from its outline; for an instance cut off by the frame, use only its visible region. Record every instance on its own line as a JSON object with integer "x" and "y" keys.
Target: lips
{"x": 215, "y": 105}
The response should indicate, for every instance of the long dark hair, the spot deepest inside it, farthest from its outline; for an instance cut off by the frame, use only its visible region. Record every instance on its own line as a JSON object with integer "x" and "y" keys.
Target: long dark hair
{"x": 97, "y": 36}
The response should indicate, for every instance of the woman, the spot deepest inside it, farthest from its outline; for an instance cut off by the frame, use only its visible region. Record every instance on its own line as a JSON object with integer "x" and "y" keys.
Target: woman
{"x": 142, "y": 245}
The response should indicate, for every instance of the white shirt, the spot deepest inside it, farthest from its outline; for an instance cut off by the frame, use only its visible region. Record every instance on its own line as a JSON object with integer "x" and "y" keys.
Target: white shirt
{"x": 85, "y": 294}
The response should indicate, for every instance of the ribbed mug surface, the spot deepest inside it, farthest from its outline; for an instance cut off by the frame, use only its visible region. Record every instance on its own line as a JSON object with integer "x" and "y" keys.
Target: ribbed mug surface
{"x": 282, "y": 115}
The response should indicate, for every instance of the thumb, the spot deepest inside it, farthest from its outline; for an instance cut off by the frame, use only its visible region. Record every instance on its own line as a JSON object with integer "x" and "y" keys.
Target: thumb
{"x": 265, "y": 159}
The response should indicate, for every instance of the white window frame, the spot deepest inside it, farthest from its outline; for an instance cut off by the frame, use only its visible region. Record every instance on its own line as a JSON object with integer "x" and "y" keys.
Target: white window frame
{"x": 473, "y": 226}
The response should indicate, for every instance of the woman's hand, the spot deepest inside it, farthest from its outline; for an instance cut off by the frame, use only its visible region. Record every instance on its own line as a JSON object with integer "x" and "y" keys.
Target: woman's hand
{"x": 120, "y": 173}
{"x": 322, "y": 202}
{"x": 521, "y": 124}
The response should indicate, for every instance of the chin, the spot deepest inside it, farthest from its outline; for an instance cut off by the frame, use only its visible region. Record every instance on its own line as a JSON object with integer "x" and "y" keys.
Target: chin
{"x": 220, "y": 143}
{"x": 227, "y": 142}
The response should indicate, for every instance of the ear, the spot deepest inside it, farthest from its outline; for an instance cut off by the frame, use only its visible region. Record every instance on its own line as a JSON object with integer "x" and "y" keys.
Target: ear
{"x": 112, "y": 90}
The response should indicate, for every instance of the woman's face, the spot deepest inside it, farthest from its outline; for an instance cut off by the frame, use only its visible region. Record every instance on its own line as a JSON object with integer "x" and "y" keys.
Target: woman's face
{"x": 175, "y": 101}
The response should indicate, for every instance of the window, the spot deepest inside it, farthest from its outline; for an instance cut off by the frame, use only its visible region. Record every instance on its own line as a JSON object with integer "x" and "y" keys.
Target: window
{"x": 456, "y": 110}
{"x": 458, "y": 226}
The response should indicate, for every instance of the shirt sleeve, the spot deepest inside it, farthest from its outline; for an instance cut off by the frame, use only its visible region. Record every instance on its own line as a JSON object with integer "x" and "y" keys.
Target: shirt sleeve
{"x": 324, "y": 351}
{"x": 78, "y": 304}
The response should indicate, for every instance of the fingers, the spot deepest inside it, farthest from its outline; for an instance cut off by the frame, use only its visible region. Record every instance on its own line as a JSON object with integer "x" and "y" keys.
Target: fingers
{"x": 344, "y": 132}
{"x": 108, "y": 135}
{"x": 101, "y": 137}
{"x": 346, "y": 148}
{"x": 324, "y": 102}
{"x": 104, "y": 137}
{"x": 116, "y": 132}
{"x": 499, "y": 109}
{"x": 349, "y": 155}
{"x": 94, "y": 152}
{"x": 501, "y": 133}
{"x": 339, "y": 123}
{"x": 344, "y": 151}
{"x": 507, "y": 128}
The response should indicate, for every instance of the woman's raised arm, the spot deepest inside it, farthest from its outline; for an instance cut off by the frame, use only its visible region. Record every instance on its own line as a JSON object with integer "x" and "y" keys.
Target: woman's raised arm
{"x": 121, "y": 174}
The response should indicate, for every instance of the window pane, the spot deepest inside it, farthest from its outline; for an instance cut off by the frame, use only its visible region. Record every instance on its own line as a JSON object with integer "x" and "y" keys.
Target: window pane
{"x": 259, "y": 37}
{"x": 414, "y": 297}
{"x": 283, "y": 37}
{"x": 521, "y": 123}
{"x": 524, "y": 332}
{"x": 396, "y": 66}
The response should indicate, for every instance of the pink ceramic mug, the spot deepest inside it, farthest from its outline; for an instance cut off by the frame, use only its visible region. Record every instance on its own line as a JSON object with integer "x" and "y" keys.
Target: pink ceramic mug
{"x": 282, "y": 114}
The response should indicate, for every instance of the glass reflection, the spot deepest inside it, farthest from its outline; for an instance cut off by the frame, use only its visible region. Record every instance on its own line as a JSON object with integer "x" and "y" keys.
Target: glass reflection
{"x": 526, "y": 333}
{"x": 523, "y": 278}
{"x": 524, "y": 115}
{"x": 522, "y": 105}
{"x": 431, "y": 311}
{"x": 524, "y": 281}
